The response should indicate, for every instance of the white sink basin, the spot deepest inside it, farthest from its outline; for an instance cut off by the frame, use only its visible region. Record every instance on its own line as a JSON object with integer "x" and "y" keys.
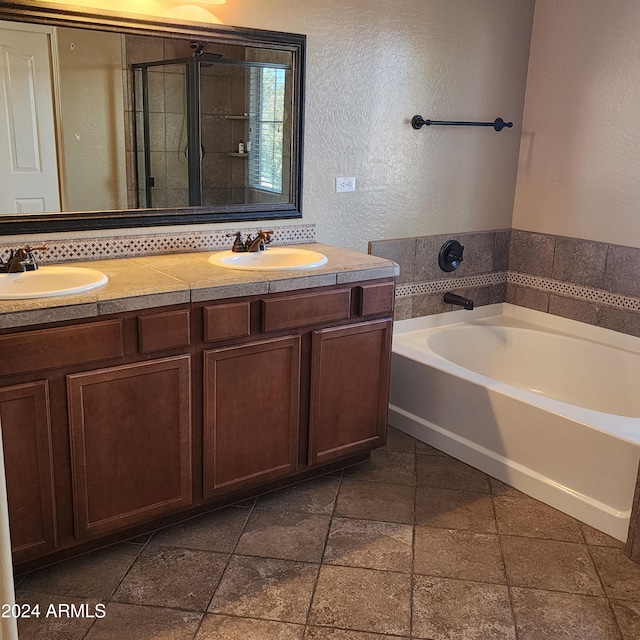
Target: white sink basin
{"x": 49, "y": 281}
{"x": 272, "y": 259}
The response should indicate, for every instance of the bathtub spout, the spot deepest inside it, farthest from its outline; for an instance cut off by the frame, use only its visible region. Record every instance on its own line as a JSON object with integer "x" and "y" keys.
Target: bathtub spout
{"x": 452, "y": 298}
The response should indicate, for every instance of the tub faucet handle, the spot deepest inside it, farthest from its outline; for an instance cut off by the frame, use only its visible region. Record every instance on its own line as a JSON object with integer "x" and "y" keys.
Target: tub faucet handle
{"x": 238, "y": 245}
{"x": 450, "y": 255}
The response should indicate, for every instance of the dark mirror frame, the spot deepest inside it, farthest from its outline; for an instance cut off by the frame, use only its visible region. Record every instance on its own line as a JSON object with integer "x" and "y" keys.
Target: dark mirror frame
{"x": 64, "y": 16}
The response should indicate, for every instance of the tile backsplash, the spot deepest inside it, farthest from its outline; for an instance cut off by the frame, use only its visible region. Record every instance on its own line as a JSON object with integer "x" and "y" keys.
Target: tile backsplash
{"x": 593, "y": 282}
{"x": 100, "y": 248}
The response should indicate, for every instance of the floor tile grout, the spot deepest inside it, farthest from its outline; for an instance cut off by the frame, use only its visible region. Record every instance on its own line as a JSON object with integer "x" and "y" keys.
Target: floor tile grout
{"x": 324, "y": 550}
{"x": 413, "y": 543}
{"x": 504, "y": 566}
{"x": 231, "y": 554}
{"x": 604, "y": 588}
{"x": 514, "y": 600}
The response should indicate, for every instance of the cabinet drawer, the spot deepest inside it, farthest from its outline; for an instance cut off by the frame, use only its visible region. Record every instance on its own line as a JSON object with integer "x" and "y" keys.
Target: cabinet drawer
{"x": 224, "y": 321}
{"x": 165, "y": 330}
{"x": 376, "y": 298}
{"x": 51, "y": 348}
{"x": 305, "y": 309}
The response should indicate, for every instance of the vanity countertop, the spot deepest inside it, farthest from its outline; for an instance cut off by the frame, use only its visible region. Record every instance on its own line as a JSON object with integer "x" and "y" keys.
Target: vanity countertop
{"x": 155, "y": 281}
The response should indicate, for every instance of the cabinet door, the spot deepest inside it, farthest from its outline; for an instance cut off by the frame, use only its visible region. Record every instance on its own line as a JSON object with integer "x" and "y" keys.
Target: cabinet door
{"x": 251, "y": 413}
{"x": 26, "y": 437}
{"x": 130, "y": 443}
{"x": 349, "y": 389}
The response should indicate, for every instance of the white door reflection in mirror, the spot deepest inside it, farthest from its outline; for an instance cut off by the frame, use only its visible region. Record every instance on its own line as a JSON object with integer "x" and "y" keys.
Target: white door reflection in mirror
{"x": 29, "y": 172}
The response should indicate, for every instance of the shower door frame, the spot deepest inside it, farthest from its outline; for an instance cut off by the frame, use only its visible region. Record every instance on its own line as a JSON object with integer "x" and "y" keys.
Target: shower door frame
{"x": 193, "y": 76}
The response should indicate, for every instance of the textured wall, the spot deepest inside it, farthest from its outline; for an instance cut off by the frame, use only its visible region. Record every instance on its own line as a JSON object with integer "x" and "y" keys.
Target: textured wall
{"x": 580, "y": 152}
{"x": 372, "y": 65}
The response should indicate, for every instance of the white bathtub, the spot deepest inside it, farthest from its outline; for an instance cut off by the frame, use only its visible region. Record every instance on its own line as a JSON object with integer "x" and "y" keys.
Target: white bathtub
{"x": 548, "y": 405}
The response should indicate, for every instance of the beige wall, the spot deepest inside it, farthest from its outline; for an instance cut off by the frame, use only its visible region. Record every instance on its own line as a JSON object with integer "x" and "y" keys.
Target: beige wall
{"x": 580, "y": 152}
{"x": 371, "y": 66}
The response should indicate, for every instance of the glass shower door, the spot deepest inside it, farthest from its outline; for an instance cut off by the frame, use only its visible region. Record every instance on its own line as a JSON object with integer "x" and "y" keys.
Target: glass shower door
{"x": 161, "y": 131}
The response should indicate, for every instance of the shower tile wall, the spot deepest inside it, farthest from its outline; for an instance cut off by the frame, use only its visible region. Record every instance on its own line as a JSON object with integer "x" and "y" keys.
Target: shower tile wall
{"x": 589, "y": 281}
{"x": 224, "y": 125}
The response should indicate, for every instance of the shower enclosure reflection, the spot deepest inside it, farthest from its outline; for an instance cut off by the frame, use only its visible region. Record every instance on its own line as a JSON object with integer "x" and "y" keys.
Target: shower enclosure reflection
{"x": 210, "y": 124}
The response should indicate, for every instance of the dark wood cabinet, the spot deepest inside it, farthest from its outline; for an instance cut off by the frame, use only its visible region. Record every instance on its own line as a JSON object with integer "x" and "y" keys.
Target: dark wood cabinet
{"x": 349, "y": 389}
{"x": 130, "y": 430}
{"x": 251, "y": 413}
{"x": 112, "y": 425}
{"x": 26, "y": 436}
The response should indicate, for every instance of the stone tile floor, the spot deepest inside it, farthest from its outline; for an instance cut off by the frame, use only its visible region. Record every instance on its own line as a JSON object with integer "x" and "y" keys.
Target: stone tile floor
{"x": 412, "y": 544}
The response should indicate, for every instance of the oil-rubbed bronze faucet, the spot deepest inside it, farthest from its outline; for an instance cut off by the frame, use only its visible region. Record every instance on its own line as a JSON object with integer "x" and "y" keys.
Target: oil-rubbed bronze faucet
{"x": 259, "y": 243}
{"x": 20, "y": 260}
{"x": 455, "y": 299}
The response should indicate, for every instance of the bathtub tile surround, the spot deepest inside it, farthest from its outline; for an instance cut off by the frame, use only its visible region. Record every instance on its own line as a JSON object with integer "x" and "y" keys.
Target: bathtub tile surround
{"x": 481, "y": 276}
{"x": 478, "y": 256}
{"x": 594, "y": 282}
{"x": 579, "y": 261}
{"x": 127, "y": 246}
{"x": 531, "y": 253}
{"x": 475, "y": 575}
{"x": 583, "y": 280}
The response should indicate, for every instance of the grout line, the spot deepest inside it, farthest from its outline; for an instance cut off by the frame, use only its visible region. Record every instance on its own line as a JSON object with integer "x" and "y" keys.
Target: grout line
{"x": 553, "y": 257}
{"x": 504, "y": 561}
{"x": 324, "y": 549}
{"x": 501, "y": 537}
{"x": 602, "y": 584}
{"x": 413, "y": 535}
{"x": 231, "y": 554}
{"x": 126, "y": 573}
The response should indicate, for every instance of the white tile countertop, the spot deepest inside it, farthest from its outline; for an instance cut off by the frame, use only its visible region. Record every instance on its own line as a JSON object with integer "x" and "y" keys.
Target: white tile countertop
{"x": 155, "y": 281}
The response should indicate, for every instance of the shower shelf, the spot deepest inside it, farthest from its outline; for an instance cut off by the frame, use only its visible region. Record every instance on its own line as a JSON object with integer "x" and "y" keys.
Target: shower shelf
{"x": 235, "y": 154}
{"x": 236, "y": 117}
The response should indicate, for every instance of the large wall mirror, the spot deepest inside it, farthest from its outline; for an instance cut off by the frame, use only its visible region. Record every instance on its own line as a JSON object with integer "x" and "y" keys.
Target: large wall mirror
{"x": 110, "y": 122}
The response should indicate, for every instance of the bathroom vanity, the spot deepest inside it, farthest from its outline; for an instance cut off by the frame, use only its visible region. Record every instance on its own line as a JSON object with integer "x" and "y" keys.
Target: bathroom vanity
{"x": 180, "y": 386}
